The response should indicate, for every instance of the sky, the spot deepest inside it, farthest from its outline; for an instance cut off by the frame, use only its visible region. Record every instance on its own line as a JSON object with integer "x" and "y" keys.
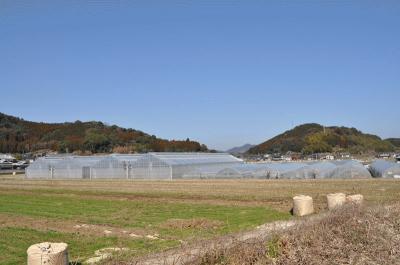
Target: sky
{"x": 222, "y": 72}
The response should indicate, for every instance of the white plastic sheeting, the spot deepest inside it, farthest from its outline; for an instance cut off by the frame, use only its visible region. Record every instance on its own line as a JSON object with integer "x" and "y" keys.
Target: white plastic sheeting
{"x": 385, "y": 169}
{"x": 135, "y": 166}
{"x": 283, "y": 170}
{"x": 293, "y": 170}
{"x": 59, "y": 167}
{"x": 351, "y": 170}
{"x": 186, "y": 166}
{"x": 259, "y": 171}
{"x": 311, "y": 171}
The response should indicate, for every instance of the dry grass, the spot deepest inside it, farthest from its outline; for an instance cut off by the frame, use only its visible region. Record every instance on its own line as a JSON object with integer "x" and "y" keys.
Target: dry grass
{"x": 274, "y": 193}
{"x": 351, "y": 235}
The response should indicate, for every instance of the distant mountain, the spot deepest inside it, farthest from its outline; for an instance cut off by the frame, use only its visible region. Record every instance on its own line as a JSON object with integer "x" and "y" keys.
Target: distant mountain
{"x": 394, "y": 141}
{"x": 18, "y": 136}
{"x": 240, "y": 149}
{"x": 315, "y": 138}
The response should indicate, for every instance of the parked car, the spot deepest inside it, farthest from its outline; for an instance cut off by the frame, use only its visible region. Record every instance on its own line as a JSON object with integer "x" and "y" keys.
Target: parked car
{"x": 4, "y": 164}
{"x": 20, "y": 165}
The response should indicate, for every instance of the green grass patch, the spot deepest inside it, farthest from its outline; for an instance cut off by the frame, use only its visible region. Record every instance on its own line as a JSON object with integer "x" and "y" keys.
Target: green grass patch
{"x": 273, "y": 247}
{"x": 135, "y": 214}
{"x": 15, "y": 241}
{"x": 142, "y": 214}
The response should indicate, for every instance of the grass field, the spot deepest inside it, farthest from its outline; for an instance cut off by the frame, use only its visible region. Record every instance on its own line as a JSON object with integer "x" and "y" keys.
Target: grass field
{"x": 148, "y": 216}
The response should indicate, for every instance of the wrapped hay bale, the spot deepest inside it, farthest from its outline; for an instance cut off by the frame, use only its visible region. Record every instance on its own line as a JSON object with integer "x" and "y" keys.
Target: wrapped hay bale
{"x": 302, "y": 205}
{"x": 48, "y": 253}
{"x": 335, "y": 200}
{"x": 356, "y": 199}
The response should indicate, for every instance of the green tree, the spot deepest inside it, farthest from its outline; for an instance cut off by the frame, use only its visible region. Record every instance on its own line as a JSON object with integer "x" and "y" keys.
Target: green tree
{"x": 96, "y": 141}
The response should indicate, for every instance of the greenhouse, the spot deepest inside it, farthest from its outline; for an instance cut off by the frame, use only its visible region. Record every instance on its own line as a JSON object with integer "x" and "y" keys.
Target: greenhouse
{"x": 258, "y": 171}
{"x": 283, "y": 170}
{"x": 169, "y": 166}
{"x": 136, "y": 166}
{"x": 385, "y": 169}
{"x": 350, "y": 170}
{"x": 316, "y": 170}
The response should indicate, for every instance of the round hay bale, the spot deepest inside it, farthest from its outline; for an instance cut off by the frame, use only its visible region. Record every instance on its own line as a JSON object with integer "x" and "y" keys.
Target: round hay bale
{"x": 302, "y": 205}
{"x": 335, "y": 200}
{"x": 48, "y": 253}
{"x": 356, "y": 199}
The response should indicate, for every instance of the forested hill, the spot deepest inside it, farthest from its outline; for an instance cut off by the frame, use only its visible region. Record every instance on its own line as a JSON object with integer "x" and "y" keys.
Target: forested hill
{"x": 18, "y": 136}
{"x": 314, "y": 138}
{"x": 394, "y": 141}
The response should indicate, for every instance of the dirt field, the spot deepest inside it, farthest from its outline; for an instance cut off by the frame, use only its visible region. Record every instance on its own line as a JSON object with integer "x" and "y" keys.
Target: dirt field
{"x": 148, "y": 216}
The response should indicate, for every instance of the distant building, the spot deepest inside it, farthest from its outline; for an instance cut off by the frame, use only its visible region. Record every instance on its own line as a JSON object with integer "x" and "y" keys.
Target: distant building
{"x": 277, "y": 157}
{"x": 267, "y": 157}
{"x": 7, "y": 157}
{"x": 287, "y": 158}
{"x": 345, "y": 155}
{"x": 329, "y": 157}
{"x": 384, "y": 155}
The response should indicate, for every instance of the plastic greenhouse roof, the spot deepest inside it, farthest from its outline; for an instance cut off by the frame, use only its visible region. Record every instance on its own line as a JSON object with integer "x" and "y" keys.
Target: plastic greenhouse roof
{"x": 196, "y": 158}
{"x": 284, "y": 167}
{"x": 207, "y": 169}
{"x": 383, "y": 165}
{"x": 325, "y": 165}
{"x": 385, "y": 169}
{"x": 249, "y": 167}
{"x": 342, "y": 162}
{"x": 127, "y": 157}
{"x": 351, "y": 169}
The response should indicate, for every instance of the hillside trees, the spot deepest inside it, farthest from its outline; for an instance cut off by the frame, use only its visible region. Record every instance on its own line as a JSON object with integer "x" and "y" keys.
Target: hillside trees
{"x": 20, "y": 136}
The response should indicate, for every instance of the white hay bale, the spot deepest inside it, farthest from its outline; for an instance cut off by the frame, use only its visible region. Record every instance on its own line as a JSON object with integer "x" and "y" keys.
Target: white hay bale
{"x": 335, "y": 200}
{"x": 356, "y": 199}
{"x": 48, "y": 253}
{"x": 302, "y": 205}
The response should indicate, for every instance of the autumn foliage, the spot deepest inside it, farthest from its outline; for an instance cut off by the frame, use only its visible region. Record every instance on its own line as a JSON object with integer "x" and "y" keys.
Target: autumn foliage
{"x": 314, "y": 138}
{"x": 20, "y": 136}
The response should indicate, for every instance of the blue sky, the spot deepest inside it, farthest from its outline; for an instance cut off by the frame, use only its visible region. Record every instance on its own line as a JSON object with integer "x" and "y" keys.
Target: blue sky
{"x": 224, "y": 73}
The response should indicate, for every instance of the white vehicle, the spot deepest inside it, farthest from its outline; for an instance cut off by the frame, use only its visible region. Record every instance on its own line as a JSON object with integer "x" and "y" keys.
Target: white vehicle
{"x": 4, "y": 164}
{"x": 20, "y": 165}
